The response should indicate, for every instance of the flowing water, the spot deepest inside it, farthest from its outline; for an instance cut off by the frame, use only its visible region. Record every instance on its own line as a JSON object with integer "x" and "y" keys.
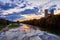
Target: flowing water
{"x": 27, "y": 32}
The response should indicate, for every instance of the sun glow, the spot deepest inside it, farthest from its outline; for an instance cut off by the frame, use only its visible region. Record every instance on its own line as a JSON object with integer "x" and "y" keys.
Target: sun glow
{"x": 56, "y": 12}
{"x": 33, "y": 16}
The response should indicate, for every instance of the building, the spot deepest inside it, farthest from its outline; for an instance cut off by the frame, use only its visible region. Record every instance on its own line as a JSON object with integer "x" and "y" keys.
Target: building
{"x": 49, "y": 14}
{"x": 52, "y": 12}
{"x": 46, "y": 12}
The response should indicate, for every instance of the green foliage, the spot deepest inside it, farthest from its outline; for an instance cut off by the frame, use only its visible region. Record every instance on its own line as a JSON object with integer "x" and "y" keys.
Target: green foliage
{"x": 4, "y": 23}
{"x": 14, "y": 25}
{"x": 2, "y": 26}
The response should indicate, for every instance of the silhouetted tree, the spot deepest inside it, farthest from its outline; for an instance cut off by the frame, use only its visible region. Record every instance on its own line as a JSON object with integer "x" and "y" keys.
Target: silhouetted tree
{"x": 53, "y": 24}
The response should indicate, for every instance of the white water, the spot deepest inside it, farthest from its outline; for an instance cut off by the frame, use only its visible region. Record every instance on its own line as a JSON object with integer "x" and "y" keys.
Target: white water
{"x": 27, "y": 32}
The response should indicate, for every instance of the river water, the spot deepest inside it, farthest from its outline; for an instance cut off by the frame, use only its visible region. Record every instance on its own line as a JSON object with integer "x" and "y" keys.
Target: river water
{"x": 27, "y": 32}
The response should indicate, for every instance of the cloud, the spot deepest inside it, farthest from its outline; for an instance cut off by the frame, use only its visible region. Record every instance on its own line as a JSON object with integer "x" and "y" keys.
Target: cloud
{"x": 32, "y": 16}
{"x": 20, "y": 10}
{"x": 14, "y": 15}
{"x": 23, "y": 6}
{"x": 7, "y": 6}
{"x": 53, "y": 7}
{"x": 16, "y": 9}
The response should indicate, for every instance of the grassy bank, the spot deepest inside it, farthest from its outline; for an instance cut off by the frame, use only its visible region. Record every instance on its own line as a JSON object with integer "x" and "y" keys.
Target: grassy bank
{"x": 4, "y": 23}
{"x": 13, "y": 25}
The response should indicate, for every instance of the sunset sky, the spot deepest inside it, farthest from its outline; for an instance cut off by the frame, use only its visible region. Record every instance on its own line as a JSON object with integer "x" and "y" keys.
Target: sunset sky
{"x": 26, "y": 9}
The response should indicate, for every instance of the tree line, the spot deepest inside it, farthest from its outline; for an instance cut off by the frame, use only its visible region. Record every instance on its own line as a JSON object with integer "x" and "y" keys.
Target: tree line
{"x": 50, "y": 24}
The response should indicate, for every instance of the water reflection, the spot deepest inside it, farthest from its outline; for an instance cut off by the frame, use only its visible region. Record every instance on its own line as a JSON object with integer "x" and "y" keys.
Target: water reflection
{"x": 27, "y": 32}
{"x": 24, "y": 28}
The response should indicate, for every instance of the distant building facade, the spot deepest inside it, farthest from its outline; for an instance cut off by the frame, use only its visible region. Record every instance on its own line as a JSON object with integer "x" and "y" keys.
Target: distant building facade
{"x": 52, "y": 12}
{"x": 47, "y": 14}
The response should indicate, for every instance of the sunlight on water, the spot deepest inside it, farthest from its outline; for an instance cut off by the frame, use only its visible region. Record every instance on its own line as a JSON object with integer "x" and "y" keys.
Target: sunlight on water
{"x": 25, "y": 28}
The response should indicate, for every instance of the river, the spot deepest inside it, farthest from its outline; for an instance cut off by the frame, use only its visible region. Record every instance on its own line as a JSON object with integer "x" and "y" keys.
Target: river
{"x": 27, "y": 32}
